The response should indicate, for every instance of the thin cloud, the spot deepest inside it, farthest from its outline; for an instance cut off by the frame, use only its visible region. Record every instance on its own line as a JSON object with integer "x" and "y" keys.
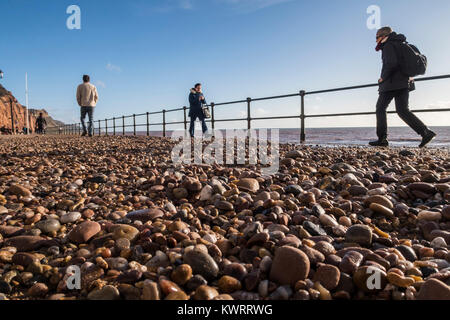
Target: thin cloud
{"x": 186, "y": 4}
{"x": 144, "y": 8}
{"x": 241, "y": 6}
{"x": 100, "y": 84}
{"x": 113, "y": 68}
{"x": 253, "y": 5}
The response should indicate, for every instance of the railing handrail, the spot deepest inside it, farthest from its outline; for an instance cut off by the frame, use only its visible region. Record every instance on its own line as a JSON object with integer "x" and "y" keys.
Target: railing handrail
{"x": 76, "y": 128}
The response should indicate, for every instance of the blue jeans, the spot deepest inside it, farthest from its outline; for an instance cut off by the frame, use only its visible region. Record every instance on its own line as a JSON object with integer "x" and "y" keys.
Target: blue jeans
{"x": 192, "y": 127}
{"x": 90, "y": 112}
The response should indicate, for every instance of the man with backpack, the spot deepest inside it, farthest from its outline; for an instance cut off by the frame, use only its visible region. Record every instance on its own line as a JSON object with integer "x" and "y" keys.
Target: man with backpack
{"x": 401, "y": 62}
{"x": 196, "y": 100}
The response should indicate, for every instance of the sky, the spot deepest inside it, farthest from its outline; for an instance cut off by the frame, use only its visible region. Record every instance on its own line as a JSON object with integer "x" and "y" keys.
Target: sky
{"x": 145, "y": 55}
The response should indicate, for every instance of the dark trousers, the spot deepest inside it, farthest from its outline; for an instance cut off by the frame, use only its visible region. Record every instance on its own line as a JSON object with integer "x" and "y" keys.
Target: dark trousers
{"x": 192, "y": 126}
{"x": 402, "y": 107}
{"x": 90, "y": 112}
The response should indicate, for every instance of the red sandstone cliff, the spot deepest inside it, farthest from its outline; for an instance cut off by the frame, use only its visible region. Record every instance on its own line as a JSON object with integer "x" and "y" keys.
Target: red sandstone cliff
{"x": 6, "y": 99}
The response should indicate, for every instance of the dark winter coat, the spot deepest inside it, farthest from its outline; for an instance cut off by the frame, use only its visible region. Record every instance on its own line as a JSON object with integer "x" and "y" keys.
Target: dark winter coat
{"x": 393, "y": 77}
{"x": 41, "y": 122}
{"x": 196, "y": 104}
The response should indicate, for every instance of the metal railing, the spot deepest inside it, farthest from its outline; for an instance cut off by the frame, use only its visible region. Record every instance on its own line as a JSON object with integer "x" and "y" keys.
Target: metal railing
{"x": 112, "y": 123}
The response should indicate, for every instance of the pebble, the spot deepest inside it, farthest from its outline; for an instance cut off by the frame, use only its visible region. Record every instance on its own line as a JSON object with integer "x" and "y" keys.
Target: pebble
{"x": 429, "y": 216}
{"x": 370, "y": 279}
{"x": 289, "y": 266}
{"x": 202, "y": 263}
{"x": 360, "y": 234}
{"x": 70, "y": 217}
{"x": 434, "y": 289}
{"x": 19, "y": 190}
{"x": 182, "y": 274}
{"x": 229, "y": 284}
{"x": 146, "y": 214}
{"x": 123, "y": 231}
{"x": 150, "y": 291}
{"x": 248, "y": 184}
{"x": 38, "y": 290}
{"x": 83, "y": 232}
{"x": 25, "y": 243}
{"x": 328, "y": 276}
{"x": 108, "y": 292}
{"x": 48, "y": 226}
{"x": 399, "y": 281}
{"x": 407, "y": 252}
{"x": 204, "y": 292}
{"x": 378, "y": 208}
{"x": 350, "y": 262}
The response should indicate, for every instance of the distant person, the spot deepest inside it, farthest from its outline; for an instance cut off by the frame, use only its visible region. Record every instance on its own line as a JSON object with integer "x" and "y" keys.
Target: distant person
{"x": 196, "y": 100}
{"x": 394, "y": 84}
{"x": 40, "y": 124}
{"x": 87, "y": 98}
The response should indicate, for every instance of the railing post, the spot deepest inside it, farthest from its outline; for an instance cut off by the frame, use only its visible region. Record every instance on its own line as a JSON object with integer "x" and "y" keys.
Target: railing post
{"x": 106, "y": 127}
{"x": 99, "y": 128}
{"x": 249, "y": 117}
{"x": 302, "y": 117}
{"x": 148, "y": 124}
{"x": 185, "y": 118}
{"x": 134, "y": 124}
{"x": 123, "y": 125}
{"x": 213, "y": 119}
{"x": 114, "y": 126}
{"x": 164, "y": 123}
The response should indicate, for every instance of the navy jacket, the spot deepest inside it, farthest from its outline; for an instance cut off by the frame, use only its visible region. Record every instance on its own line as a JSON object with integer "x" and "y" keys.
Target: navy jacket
{"x": 196, "y": 104}
{"x": 393, "y": 77}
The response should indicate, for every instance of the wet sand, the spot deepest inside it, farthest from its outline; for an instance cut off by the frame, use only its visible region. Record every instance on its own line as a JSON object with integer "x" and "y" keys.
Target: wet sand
{"x": 139, "y": 227}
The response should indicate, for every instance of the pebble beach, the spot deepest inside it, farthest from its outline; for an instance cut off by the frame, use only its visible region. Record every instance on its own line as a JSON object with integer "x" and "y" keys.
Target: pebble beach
{"x": 139, "y": 227}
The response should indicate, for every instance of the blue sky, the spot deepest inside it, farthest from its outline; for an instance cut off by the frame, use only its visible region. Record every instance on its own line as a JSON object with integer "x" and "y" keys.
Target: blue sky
{"x": 144, "y": 55}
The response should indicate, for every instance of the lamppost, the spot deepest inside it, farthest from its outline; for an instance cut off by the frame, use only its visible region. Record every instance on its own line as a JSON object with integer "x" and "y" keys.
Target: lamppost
{"x": 27, "y": 122}
{"x": 13, "y": 128}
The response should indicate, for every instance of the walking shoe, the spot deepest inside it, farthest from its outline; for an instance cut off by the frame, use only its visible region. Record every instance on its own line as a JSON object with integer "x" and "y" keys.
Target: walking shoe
{"x": 379, "y": 143}
{"x": 427, "y": 138}
{"x": 84, "y": 134}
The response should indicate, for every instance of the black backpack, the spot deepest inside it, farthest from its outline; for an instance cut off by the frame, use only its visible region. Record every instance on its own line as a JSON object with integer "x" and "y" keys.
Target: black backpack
{"x": 412, "y": 62}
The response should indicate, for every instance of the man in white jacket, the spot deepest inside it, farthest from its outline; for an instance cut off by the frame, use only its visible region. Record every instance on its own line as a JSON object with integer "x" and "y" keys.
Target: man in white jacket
{"x": 87, "y": 98}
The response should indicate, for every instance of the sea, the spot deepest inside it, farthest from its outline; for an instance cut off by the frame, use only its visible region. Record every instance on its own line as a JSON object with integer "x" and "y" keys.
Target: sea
{"x": 398, "y": 136}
